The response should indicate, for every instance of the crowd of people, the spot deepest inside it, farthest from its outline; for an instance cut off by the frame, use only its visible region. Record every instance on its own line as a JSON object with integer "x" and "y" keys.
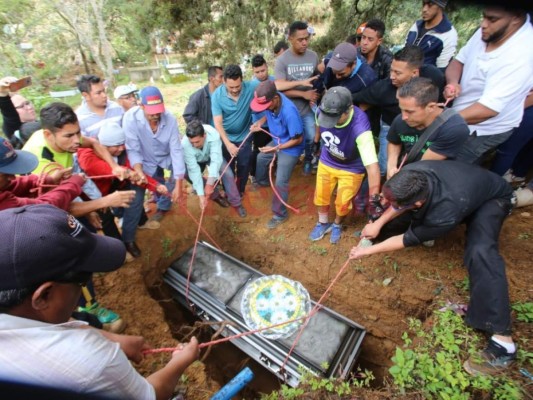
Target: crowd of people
{"x": 421, "y": 140}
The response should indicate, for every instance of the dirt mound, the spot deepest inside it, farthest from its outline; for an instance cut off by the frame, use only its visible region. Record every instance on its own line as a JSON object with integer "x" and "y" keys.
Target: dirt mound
{"x": 381, "y": 292}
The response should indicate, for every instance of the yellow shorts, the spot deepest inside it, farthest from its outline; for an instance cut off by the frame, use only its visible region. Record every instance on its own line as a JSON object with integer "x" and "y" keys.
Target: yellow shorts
{"x": 347, "y": 183}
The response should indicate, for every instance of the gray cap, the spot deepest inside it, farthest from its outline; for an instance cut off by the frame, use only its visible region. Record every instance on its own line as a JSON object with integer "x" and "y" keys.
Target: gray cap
{"x": 344, "y": 54}
{"x": 335, "y": 102}
{"x": 440, "y": 3}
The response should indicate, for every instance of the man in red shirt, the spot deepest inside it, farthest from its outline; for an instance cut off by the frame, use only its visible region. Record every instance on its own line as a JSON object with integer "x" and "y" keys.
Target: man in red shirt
{"x": 20, "y": 191}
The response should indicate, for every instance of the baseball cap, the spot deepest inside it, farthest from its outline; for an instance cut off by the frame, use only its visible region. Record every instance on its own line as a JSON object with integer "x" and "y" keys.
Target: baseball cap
{"x": 343, "y": 54}
{"x": 263, "y": 95}
{"x": 360, "y": 29}
{"x": 335, "y": 102}
{"x": 16, "y": 161}
{"x": 152, "y": 100}
{"x": 42, "y": 243}
{"x": 440, "y": 3}
{"x": 123, "y": 90}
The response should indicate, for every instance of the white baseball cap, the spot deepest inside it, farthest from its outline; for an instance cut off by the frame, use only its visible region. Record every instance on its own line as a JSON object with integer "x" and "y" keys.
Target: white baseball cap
{"x": 124, "y": 90}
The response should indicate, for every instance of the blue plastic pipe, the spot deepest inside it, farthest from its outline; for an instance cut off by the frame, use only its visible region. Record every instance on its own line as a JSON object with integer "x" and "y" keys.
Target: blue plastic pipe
{"x": 235, "y": 385}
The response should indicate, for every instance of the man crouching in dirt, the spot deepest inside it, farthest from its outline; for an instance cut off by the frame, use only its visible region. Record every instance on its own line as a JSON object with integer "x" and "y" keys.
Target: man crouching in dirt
{"x": 427, "y": 200}
{"x": 45, "y": 259}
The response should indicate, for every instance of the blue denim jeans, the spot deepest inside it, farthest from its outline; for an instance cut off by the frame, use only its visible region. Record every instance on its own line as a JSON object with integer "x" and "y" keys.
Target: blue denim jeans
{"x": 382, "y": 153}
{"x": 508, "y": 151}
{"x": 133, "y": 213}
{"x": 286, "y": 163}
{"x": 240, "y": 164}
{"x": 309, "y": 127}
{"x": 228, "y": 181}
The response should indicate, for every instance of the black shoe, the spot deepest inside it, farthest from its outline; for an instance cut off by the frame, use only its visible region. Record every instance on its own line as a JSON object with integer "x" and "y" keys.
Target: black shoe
{"x": 222, "y": 202}
{"x": 133, "y": 249}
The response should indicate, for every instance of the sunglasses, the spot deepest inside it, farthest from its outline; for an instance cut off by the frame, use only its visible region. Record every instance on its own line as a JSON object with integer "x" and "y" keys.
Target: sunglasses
{"x": 129, "y": 96}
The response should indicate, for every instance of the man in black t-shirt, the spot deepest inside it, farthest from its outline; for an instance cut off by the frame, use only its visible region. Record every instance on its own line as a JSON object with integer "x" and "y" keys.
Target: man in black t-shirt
{"x": 431, "y": 198}
{"x": 406, "y": 64}
{"x": 420, "y": 111}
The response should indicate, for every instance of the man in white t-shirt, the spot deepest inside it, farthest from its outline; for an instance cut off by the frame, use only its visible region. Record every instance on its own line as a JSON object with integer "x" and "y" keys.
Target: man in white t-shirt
{"x": 38, "y": 291}
{"x": 490, "y": 79}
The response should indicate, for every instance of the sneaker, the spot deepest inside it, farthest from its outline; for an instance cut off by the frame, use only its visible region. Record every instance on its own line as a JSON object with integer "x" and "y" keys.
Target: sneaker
{"x": 307, "y": 168}
{"x": 319, "y": 231}
{"x": 494, "y": 358}
{"x": 336, "y": 231}
{"x": 110, "y": 320}
{"x": 241, "y": 211}
{"x": 150, "y": 224}
{"x": 429, "y": 243}
{"x": 275, "y": 221}
{"x": 524, "y": 197}
{"x": 129, "y": 257}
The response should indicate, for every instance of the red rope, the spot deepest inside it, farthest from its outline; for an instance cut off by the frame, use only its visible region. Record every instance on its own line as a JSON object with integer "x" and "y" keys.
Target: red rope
{"x": 270, "y": 176}
{"x": 313, "y": 311}
{"x": 227, "y": 339}
{"x": 192, "y": 260}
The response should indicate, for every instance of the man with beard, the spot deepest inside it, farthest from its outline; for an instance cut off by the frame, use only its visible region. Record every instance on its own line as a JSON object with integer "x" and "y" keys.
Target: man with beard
{"x": 230, "y": 105}
{"x": 490, "y": 79}
{"x": 153, "y": 144}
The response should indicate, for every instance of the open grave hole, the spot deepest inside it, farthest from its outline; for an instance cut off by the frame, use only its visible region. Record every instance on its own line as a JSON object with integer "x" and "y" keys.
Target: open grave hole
{"x": 420, "y": 279}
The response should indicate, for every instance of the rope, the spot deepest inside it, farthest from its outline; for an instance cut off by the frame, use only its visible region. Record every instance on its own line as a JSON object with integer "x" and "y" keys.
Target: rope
{"x": 270, "y": 176}
{"x": 227, "y": 339}
{"x": 189, "y": 272}
{"x": 313, "y": 311}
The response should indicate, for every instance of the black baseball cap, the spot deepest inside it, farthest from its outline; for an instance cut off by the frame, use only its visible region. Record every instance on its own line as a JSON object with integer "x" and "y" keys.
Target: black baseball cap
{"x": 16, "y": 161}
{"x": 335, "y": 102}
{"x": 42, "y": 243}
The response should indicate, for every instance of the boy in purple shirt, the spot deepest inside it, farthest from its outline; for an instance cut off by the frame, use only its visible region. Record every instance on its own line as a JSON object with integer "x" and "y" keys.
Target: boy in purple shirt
{"x": 348, "y": 152}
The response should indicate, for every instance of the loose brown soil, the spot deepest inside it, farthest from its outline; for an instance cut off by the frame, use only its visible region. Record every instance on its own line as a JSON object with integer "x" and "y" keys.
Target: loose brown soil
{"x": 421, "y": 279}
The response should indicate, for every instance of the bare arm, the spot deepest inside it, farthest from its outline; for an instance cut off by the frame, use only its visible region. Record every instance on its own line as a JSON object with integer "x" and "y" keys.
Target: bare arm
{"x": 374, "y": 178}
{"x": 393, "y": 154}
{"x": 391, "y": 244}
{"x": 103, "y": 153}
{"x": 232, "y": 149}
{"x": 282, "y": 84}
{"x": 115, "y": 199}
{"x": 477, "y": 113}
{"x": 165, "y": 380}
{"x": 431, "y": 155}
{"x": 453, "y": 74}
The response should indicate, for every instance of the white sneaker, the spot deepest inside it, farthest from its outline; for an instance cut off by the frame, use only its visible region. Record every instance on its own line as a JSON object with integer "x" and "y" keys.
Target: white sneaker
{"x": 524, "y": 197}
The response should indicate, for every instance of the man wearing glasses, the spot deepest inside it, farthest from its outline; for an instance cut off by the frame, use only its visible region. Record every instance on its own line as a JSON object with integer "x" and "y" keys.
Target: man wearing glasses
{"x": 18, "y": 114}
{"x": 126, "y": 96}
{"x": 428, "y": 200}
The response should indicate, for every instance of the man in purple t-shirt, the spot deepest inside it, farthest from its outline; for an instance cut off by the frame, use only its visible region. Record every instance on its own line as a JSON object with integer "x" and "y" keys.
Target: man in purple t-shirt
{"x": 348, "y": 152}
